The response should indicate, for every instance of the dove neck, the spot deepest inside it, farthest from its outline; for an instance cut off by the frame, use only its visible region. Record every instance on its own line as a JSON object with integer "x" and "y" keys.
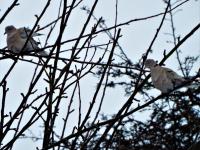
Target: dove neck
{"x": 153, "y": 66}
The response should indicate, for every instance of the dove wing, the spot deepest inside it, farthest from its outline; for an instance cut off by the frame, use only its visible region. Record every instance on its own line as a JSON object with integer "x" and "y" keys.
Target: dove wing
{"x": 174, "y": 77}
{"x": 160, "y": 79}
{"x": 171, "y": 74}
{"x": 24, "y": 32}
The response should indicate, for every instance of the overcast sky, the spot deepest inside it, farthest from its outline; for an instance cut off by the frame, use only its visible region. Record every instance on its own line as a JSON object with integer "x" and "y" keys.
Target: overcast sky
{"x": 135, "y": 40}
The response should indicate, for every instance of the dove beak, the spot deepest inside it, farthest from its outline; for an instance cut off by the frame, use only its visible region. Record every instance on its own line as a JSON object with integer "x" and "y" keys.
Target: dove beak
{"x": 5, "y": 33}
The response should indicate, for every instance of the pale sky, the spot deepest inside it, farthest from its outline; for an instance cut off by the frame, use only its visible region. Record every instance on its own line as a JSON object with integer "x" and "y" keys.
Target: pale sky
{"x": 136, "y": 39}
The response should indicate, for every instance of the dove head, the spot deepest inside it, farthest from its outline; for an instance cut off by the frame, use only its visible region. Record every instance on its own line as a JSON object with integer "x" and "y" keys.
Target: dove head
{"x": 149, "y": 63}
{"x": 9, "y": 29}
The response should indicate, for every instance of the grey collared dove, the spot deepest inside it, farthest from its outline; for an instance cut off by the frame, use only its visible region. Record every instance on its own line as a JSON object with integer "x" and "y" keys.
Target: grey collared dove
{"x": 16, "y": 38}
{"x": 163, "y": 78}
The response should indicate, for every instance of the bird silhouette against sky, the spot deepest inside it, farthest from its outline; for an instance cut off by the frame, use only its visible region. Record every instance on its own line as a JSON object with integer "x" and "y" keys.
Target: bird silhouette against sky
{"x": 16, "y": 39}
{"x": 163, "y": 78}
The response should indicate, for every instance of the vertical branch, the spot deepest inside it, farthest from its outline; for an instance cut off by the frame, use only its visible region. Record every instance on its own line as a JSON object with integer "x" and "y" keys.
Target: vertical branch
{"x": 48, "y": 122}
{"x": 174, "y": 40}
{"x": 105, "y": 69}
{"x": 3, "y": 115}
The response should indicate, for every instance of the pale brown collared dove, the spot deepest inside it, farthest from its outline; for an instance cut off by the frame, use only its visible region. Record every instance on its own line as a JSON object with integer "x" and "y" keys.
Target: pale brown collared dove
{"x": 16, "y": 38}
{"x": 163, "y": 78}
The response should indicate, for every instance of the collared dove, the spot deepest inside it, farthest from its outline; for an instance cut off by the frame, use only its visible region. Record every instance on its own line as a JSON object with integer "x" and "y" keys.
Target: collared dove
{"x": 163, "y": 78}
{"x": 16, "y": 38}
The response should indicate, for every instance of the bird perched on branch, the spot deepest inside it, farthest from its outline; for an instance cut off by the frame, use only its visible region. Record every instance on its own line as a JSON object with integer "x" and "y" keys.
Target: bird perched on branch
{"x": 163, "y": 78}
{"x": 16, "y": 39}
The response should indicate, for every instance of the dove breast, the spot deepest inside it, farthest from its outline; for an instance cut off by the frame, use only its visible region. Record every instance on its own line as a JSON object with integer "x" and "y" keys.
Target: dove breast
{"x": 160, "y": 79}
